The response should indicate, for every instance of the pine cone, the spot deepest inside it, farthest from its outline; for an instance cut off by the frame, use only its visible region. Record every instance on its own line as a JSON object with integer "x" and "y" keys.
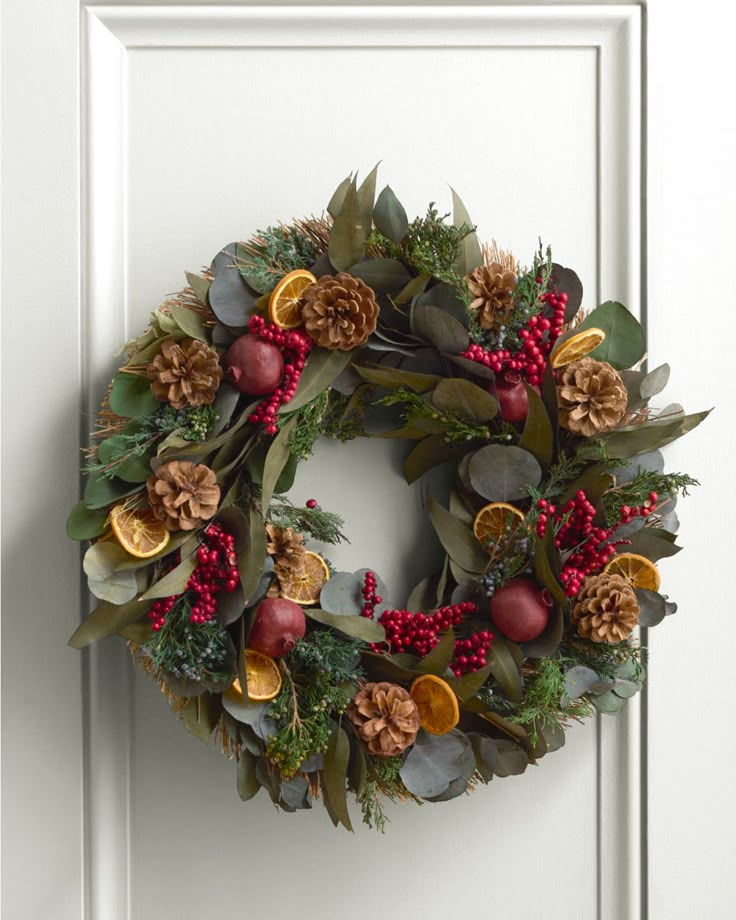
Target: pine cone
{"x": 606, "y": 609}
{"x": 288, "y": 551}
{"x": 592, "y": 397}
{"x": 183, "y": 494}
{"x": 340, "y": 312}
{"x": 385, "y": 717}
{"x": 185, "y": 373}
{"x": 492, "y": 289}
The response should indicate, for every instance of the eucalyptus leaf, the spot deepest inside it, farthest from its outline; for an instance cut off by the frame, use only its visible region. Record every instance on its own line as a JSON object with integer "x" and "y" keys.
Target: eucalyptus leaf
{"x": 465, "y": 399}
{"x": 130, "y": 395}
{"x": 393, "y": 378}
{"x": 349, "y": 233}
{"x": 435, "y": 761}
{"x": 276, "y": 459}
{"x": 470, "y": 256}
{"x": 472, "y": 367}
{"x": 537, "y": 437}
{"x": 248, "y": 784}
{"x": 430, "y": 452}
{"x": 468, "y": 685}
{"x": 511, "y": 760}
{"x": 624, "y": 343}
{"x": 383, "y": 275}
{"x": 84, "y": 523}
{"x": 189, "y": 322}
{"x": 338, "y": 196}
{"x": 105, "y": 580}
{"x": 108, "y": 619}
{"x": 200, "y": 286}
{"x": 251, "y": 559}
{"x": 201, "y": 715}
{"x": 357, "y": 627}
{"x": 505, "y": 659}
{"x": 652, "y": 607}
{"x": 174, "y": 582}
{"x": 486, "y": 755}
{"x": 322, "y": 367}
{"x": 652, "y": 542}
{"x": 502, "y": 473}
{"x": 367, "y": 197}
{"x": 334, "y": 774}
{"x": 457, "y": 538}
{"x": 423, "y": 595}
{"x": 295, "y": 793}
{"x": 578, "y": 681}
{"x": 389, "y": 216}
{"x": 655, "y": 381}
{"x": 440, "y": 329}
{"x": 230, "y": 298}
{"x": 608, "y": 702}
{"x": 438, "y": 660}
{"x": 567, "y": 282}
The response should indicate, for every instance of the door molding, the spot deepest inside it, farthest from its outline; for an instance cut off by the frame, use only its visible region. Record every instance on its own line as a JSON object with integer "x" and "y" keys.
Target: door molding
{"x": 108, "y": 32}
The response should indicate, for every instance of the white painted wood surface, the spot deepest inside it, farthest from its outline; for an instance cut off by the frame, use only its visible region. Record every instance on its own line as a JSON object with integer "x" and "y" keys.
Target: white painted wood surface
{"x": 177, "y": 130}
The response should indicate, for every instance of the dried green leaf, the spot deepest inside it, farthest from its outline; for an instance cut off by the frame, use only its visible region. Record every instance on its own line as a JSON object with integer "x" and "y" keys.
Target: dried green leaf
{"x": 624, "y": 343}
{"x": 334, "y": 774}
{"x": 457, "y": 539}
{"x": 390, "y": 217}
{"x": 131, "y": 395}
{"x": 465, "y": 399}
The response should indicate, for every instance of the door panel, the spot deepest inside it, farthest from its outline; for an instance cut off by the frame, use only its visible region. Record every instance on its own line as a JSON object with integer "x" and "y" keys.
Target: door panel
{"x": 201, "y": 124}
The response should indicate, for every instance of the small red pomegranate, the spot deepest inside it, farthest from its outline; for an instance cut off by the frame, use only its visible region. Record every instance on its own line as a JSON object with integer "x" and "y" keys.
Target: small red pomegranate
{"x": 520, "y": 609}
{"x": 253, "y": 366}
{"x": 279, "y": 625}
{"x": 510, "y": 391}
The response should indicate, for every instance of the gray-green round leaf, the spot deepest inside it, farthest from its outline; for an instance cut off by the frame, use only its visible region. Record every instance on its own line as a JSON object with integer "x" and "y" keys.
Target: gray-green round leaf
{"x": 624, "y": 343}
{"x": 499, "y": 473}
{"x": 435, "y": 761}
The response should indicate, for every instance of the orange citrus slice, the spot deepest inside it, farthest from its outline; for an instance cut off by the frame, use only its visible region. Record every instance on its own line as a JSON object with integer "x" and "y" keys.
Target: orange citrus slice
{"x": 285, "y": 302}
{"x": 437, "y": 704}
{"x": 577, "y": 346}
{"x": 304, "y": 586}
{"x": 495, "y": 521}
{"x": 263, "y": 676}
{"x": 639, "y": 571}
{"x": 138, "y": 532}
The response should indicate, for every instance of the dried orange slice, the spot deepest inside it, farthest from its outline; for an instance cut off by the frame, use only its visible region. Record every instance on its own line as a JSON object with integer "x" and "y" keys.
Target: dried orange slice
{"x": 437, "y": 704}
{"x": 577, "y": 346}
{"x": 138, "y": 532}
{"x": 263, "y": 676}
{"x": 639, "y": 571}
{"x": 285, "y": 302}
{"x": 495, "y": 521}
{"x": 304, "y": 586}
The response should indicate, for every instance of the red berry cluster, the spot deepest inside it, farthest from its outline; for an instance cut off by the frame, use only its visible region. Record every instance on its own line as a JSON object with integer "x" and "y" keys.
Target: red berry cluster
{"x": 575, "y": 532}
{"x": 370, "y": 598}
{"x": 418, "y": 633}
{"x": 295, "y": 347}
{"x": 538, "y": 335}
{"x": 470, "y": 654}
{"x": 216, "y": 570}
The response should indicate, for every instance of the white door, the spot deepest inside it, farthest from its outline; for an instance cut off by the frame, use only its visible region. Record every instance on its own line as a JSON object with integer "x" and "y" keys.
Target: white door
{"x": 141, "y": 138}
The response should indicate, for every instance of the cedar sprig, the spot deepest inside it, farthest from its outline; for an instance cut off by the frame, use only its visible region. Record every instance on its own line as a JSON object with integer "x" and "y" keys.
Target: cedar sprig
{"x": 144, "y": 431}
{"x": 193, "y": 651}
{"x": 636, "y": 492}
{"x": 454, "y": 428}
{"x": 383, "y": 780}
{"x": 324, "y": 526}
{"x": 318, "y": 677}
{"x": 274, "y": 252}
{"x": 430, "y": 246}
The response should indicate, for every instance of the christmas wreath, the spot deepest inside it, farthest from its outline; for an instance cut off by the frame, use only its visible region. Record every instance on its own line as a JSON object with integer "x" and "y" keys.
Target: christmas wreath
{"x": 363, "y": 323}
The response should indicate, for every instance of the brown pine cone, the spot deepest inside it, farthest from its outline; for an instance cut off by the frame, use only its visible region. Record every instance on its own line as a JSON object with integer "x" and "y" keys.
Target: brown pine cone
{"x": 185, "y": 373}
{"x": 386, "y": 718}
{"x": 288, "y": 551}
{"x": 340, "y": 312}
{"x": 492, "y": 289}
{"x": 591, "y": 396}
{"x": 183, "y": 494}
{"x": 606, "y": 609}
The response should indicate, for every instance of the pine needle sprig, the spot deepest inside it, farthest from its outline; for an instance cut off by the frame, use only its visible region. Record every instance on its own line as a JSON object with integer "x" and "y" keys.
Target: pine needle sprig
{"x": 274, "y": 252}
{"x": 383, "y": 780}
{"x": 329, "y": 415}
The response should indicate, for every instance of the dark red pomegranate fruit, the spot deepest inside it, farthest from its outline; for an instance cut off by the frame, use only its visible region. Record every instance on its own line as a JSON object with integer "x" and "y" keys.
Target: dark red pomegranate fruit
{"x": 253, "y": 366}
{"x": 520, "y": 609}
{"x": 510, "y": 391}
{"x": 279, "y": 625}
